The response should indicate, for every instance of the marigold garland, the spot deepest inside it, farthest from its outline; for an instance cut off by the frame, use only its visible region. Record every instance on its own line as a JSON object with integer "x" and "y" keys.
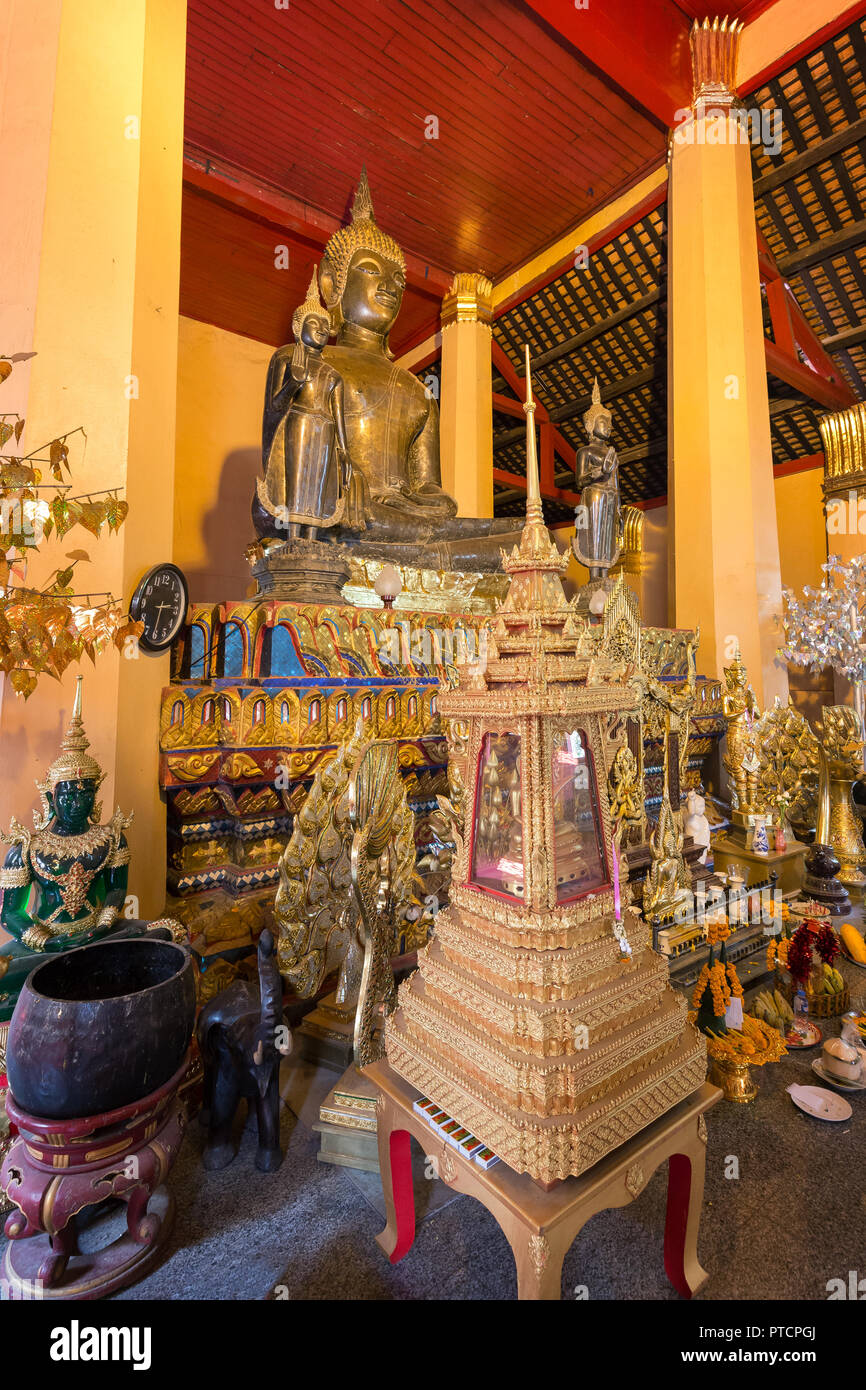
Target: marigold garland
{"x": 777, "y": 952}
{"x": 718, "y": 931}
{"x": 720, "y": 989}
{"x": 703, "y": 980}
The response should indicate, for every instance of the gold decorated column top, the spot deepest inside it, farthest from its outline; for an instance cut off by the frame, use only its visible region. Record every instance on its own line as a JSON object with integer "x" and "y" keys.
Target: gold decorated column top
{"x": 469, "y": 300}
{"x": 843, "y": 435}
{"x": 715, "y": 49}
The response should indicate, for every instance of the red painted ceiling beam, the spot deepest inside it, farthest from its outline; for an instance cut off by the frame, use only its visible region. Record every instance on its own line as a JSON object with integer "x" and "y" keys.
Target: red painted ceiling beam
{"x": 643, "y": 48}
{"x": 553, "y": 494}
{"x": 819, "y": 378}
{"x": 802, "y": 378}
{"x": 289, "y": 215}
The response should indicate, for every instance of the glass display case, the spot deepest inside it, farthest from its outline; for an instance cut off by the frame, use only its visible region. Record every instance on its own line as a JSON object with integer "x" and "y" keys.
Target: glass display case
{"x": 497, "y": 843}
{"x": 578, "y": 854}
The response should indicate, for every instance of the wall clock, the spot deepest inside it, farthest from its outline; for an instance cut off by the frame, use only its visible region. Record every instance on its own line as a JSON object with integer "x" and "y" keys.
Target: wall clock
{"x": 160, "y": 601}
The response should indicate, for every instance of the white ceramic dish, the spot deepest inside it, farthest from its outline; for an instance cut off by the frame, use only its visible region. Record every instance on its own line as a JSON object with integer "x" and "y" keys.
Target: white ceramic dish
{"x": 820, "y": 1070}
{"x": 821, "y": 1104}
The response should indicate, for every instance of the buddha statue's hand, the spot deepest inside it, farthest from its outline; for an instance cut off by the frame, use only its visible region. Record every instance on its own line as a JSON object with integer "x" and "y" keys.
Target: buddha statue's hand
{"x": 35, "y": 938}
{"x": 299, "y": 368}
{"x": 434, "y": 497}
{"x": 345, "y": 469}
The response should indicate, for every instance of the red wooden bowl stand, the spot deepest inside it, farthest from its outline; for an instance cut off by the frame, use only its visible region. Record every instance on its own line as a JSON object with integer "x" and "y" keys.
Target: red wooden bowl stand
{"x": 58, "y": 1168}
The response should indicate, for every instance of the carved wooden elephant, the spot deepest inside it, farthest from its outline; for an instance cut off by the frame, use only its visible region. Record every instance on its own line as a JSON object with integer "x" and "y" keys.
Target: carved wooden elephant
{"x": 242, "y": 1039}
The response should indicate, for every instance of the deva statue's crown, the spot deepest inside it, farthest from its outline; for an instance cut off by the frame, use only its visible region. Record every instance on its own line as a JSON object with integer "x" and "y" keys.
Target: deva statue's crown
{"x": 74, "y": 763}
{"x": 311, "y": 305}
{"x": 361, "y": 234}
{"x": 596, "y": 411}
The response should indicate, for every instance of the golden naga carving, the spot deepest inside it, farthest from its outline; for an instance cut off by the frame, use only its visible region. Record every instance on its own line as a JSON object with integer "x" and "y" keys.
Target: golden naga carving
{"x": 314, "y": 909}
{"x": 346, "y": 883}
{"x": 741, "y": 760}
{"x": 383, "y": 861}
{"x": 625, "y": 787}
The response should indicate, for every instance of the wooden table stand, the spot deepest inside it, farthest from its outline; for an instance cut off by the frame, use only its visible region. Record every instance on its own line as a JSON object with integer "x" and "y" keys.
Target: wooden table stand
{"x": 540, "y": 1225}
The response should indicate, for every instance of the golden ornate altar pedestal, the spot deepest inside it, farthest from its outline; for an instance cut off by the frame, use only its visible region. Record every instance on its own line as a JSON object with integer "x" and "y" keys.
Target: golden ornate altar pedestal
{"x": 730, "y": 849}
{"x": 348, "y": 1122}
{"x": 325, "y": 1036}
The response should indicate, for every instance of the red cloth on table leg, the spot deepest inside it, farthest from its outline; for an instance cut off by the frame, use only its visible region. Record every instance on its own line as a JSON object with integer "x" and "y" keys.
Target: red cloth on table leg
{"x": 402, "y": 1191}
{"x": 676, "y": 1221}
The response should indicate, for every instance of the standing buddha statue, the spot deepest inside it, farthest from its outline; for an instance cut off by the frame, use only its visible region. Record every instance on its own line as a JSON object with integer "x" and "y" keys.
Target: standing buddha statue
{"x": 597, "y": 540}
{"x": 741, "y": 760}
{"x": 303, "y": 423}
{"x": 63, "y": 883}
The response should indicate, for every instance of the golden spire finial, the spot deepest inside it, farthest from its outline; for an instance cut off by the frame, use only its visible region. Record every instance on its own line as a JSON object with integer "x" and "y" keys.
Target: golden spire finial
{"x": 362, "y": 207}
{"x": 74, "y": 763}
{"x": 534, "y": 512}
{"x": 537, "y": 564}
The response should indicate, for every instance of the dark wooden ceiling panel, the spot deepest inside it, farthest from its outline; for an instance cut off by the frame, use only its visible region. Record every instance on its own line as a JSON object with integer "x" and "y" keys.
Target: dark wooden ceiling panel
{"x": 811, "y": 200}
{"x": 606, "y": 319}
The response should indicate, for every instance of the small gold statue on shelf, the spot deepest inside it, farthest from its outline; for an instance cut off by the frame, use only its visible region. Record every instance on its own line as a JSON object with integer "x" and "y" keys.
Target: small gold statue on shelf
{"x": 625, "y": 789}
{"x": 667, "y": 885}
{"x": 741, "y": 711}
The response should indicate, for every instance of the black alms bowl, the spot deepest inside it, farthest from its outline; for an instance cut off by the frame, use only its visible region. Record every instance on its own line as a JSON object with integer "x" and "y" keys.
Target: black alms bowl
{"x": 100, "y": 1027}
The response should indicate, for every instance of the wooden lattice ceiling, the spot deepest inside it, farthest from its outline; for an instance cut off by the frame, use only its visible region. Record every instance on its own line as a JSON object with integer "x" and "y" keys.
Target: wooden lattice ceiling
{"x": 565, "y": 324}
{"x": 810, "y": 207}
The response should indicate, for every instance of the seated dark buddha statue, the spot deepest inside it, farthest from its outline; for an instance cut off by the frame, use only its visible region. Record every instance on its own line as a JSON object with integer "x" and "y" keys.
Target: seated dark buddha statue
{"x": 63, "y": 883}
{"x": 396, "y": 508}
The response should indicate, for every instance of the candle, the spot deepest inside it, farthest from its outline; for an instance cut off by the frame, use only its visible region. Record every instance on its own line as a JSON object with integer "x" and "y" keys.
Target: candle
{"x": 615, "y": 861}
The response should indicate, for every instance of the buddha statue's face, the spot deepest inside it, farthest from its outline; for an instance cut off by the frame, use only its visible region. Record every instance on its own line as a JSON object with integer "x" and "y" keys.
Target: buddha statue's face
{"x": 73, "y": 804}
{"x": 602, "y": 427}
{"x": 373, "y": 293}
{"x": 315, "y": 331}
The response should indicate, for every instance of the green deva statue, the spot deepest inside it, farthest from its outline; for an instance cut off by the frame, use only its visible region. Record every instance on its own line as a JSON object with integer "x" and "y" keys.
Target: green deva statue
{"x": 63, "y": 884}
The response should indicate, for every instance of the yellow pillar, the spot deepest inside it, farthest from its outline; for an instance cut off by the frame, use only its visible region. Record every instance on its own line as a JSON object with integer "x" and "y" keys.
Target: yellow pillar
{"x": 724, "y": 557}
{"x": 105, "y": 337}
{"x": 466, "y": 404}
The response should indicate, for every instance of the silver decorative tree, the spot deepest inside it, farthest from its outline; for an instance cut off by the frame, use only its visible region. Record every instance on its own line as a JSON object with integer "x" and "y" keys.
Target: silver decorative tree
{"x": 827, "y": 626}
